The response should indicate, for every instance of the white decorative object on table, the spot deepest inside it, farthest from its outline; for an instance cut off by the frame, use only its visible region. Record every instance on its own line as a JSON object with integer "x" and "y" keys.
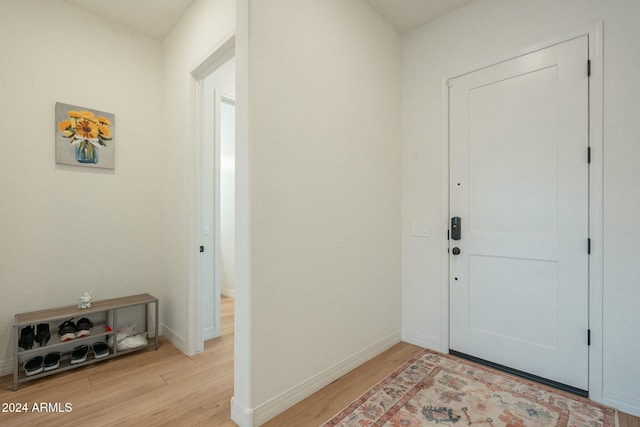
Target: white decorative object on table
{"x": 85, "y": 300}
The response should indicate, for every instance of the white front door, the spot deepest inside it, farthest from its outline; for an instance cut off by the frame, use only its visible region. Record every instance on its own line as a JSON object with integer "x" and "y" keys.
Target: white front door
{"x": 519, "y": 184}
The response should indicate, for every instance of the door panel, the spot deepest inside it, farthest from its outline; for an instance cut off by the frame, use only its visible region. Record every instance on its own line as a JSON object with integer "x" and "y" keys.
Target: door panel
{"x": 496, "y": 176}
{"x": 492, "y": 276}
{"x": 519, "y": 181}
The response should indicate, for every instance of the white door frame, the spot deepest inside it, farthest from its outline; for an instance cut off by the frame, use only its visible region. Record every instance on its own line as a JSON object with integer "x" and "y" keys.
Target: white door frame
{"x": 594, "y": 32}
{"x": 212, "y": 61}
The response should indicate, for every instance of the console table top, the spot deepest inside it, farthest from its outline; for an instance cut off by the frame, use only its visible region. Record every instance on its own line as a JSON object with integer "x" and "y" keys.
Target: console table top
{"x": 73, "y": 310}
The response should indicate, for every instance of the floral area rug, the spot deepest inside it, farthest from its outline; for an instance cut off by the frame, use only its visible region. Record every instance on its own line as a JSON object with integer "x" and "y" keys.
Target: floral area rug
{"x": 437, "y": 389}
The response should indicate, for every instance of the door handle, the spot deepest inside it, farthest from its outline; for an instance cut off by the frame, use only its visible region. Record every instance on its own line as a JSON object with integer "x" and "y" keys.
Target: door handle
{"x": 455, "y": 251}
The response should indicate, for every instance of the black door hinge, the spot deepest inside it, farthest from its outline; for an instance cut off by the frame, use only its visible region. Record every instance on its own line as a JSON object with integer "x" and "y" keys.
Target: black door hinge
{"x": 589, "y": 246}
{"x": 588, "y": 336}
{"x": 201, "y": 248}
{"x": 588, "y": 154}
{"x": 588, "y": 68}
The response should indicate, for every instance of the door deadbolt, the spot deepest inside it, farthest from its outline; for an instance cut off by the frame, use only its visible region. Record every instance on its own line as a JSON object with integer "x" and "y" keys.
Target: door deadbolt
{"x": 455, "y": 251}
{"x": 456, "y": 232}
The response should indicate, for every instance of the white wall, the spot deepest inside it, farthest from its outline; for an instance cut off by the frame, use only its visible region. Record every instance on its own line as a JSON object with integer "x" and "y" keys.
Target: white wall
{"x": 203, "y": 28}
{"x": 480, "y": 32}
{"x": 66, "y": 229}
{"x": 324, "y": 142}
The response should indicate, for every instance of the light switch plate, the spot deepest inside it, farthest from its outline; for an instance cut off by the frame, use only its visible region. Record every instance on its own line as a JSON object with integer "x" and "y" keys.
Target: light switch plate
{"x": 421, "y": 229}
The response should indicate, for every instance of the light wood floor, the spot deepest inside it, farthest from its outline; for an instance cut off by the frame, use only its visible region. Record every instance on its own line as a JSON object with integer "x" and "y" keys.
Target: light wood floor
{"x": 165, "y": 387}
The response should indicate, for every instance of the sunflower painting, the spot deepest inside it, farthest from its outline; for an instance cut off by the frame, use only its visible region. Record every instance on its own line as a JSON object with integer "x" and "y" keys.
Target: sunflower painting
{"x": 84, "y": 137}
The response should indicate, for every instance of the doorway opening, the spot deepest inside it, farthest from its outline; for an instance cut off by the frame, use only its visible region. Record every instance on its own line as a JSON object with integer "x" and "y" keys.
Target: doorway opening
{"x": 218, "y": 194}
{"x": 214, "y": 178}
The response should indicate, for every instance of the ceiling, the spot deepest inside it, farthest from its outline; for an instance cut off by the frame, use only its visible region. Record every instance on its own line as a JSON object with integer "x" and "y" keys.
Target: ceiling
{"x": 152, "y": 17}
{"x": 157, "y": 17}
{"x": 405, "y": 15}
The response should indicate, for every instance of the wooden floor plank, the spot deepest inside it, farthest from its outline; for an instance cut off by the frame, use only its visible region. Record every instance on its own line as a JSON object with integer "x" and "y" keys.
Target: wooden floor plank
{"x": 170, "y": 405}
{"x": 100, "y": 406}
{"x": 627, "y": 420}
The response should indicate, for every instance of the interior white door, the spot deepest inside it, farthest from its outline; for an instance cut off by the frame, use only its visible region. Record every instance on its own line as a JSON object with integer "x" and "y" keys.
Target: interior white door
{"x": 519, "y": 183}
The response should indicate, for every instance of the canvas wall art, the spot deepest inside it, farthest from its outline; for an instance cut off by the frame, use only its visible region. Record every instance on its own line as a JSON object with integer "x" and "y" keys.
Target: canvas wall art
{"x": 84, "y": 137}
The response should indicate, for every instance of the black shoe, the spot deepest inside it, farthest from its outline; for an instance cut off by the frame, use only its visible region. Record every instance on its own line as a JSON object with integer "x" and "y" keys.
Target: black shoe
{"x": 67, "y": 331}
{"x": 83, "y": 327}
{"x": 52, "y": 361}
{"x": 100, "y": 350}
{"x": 43, "y": 335}
{"x": 33, "y": 366}
{"x": 79, "y": 354}
{"x": 27, "y": 336}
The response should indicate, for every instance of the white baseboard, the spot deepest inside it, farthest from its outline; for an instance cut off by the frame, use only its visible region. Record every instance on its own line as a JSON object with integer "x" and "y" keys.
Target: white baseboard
{"x": 6, "y": 367}
{"x": 423, "y": 341}
{"x": 284, "y": 401}
{"x": 241, "y": 415}
{"x": 630, "y": 405}
{"x": 175, "y": 339}
{"x": 228, "y": 292}
{"x": 209, "y": 333}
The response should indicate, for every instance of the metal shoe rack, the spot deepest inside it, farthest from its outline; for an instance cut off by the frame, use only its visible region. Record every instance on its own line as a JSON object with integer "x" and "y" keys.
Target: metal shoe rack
{"x": 105, "y": 308}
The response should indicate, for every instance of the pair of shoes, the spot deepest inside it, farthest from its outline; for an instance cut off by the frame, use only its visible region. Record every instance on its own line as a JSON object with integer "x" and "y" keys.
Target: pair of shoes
{"x": 69, "y": 330}
{"x": 27, "y": 337}
{"x": 79, "y": 354}
{"x": 39, "y": 364}
{"x": 100, "y": 350}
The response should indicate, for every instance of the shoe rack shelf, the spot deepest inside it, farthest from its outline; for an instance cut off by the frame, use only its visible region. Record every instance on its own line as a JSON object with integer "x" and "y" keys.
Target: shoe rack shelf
{"x": 102, "y": 331}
